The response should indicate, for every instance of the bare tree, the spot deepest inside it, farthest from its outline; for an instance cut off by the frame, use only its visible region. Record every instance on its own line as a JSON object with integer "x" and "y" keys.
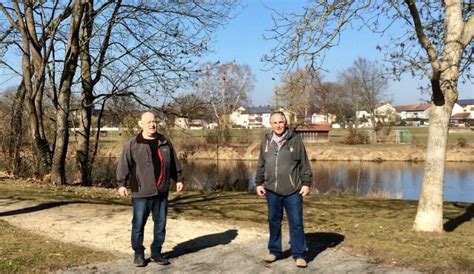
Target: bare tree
{"x": 436, "y": 42}
{"x": 226, "y": 87}
{"x": 36, "y": 26}
{"x": 298, "y": 93}
{"x": 367, "y": 85}
{"x": 337, "y": 100}
{"x": 146, "y": 50}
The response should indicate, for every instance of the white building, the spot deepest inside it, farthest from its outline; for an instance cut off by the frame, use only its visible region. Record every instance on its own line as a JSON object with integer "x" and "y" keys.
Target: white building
{"x": 252, "y": 117}
{"x": 414, "y": 114}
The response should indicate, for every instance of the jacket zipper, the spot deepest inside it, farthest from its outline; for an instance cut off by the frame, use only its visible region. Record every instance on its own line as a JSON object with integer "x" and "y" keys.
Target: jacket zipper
{"x": 276, "y": 169}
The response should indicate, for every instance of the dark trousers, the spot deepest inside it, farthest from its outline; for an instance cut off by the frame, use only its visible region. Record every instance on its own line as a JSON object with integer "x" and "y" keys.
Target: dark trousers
{"x": 293, "y": 205}
{"x": 158, "y": 206}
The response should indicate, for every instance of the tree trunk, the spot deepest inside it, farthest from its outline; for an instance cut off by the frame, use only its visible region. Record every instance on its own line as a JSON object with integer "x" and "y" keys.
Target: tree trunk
{"x": 83, "y": 137}
{"x": 429, "y": 216}
{"x": 58, "y": 170}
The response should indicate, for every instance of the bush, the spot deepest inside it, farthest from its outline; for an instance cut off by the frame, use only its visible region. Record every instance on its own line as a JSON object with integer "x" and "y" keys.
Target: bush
{"x": 355, "y": 138}
{"x": 462, "y": 142}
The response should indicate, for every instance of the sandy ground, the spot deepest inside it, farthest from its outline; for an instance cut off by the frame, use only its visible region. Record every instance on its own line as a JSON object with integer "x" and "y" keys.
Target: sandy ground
{"x": 192, "y": 246}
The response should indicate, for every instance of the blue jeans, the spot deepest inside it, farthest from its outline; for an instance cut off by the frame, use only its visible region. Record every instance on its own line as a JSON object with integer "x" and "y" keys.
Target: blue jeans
{"x": 158, "y": 206}
{"x": 293, "y": 205}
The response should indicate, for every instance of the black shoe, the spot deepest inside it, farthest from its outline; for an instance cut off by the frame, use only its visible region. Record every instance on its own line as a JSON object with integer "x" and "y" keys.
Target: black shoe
{"x": 159, "y": 259}
{"x": 139, "y": 261}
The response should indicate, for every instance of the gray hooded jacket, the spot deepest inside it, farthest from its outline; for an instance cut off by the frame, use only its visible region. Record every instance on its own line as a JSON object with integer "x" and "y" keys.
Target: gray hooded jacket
{"x": 283, "y": 170}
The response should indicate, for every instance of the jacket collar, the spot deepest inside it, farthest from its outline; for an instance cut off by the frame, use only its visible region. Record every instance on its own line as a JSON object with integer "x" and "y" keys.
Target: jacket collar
{"x": 158, "y": 137}
{"x": 288, "y": 136}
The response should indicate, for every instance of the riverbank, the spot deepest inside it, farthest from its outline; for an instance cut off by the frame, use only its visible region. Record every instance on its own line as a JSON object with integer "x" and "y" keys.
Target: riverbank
{"x": 324, "y": 152}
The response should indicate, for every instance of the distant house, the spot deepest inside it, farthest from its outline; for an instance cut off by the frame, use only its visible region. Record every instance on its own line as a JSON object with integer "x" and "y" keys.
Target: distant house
{"x": 385, "y": 113}
{"x": 457, "y": 108}
{"x": 314, "y": 132}
{"x": 259, "y": 116}
{"x": 462, "y": 119}
{"x": 414, "y": 114}
{"x": 321, "y": 117}
{"x": 252, "y": 117}
{"x": 197, "y": 124}
{"x": 466, "y": 104}
{"x": 239, "y": 119}
{"x": 468, "y": 107}
{"x": 181, "y": 122}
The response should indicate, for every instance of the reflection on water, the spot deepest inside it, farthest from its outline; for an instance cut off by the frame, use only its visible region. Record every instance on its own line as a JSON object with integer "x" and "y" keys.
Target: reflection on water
{"x": 399, "y": 180}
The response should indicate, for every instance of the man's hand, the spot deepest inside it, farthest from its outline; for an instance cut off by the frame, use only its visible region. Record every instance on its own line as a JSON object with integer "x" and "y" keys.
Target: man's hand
{"x": 260, "y": 191}
{"x": 305, "y": 191}
{"x": 179, "y": 186}
{"x": 122, "y": 191}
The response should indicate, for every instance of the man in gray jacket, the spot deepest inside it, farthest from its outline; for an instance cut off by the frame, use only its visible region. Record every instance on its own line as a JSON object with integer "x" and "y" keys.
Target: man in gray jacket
{"x": 147, "y": 164}
{"x": 284, "y": 177}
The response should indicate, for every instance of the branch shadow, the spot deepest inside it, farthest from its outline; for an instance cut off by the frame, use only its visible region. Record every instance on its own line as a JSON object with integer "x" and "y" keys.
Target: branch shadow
{"x": 454, "y": 223}
{"x": 202, "y": 242}
{"x": 36, "y": 208}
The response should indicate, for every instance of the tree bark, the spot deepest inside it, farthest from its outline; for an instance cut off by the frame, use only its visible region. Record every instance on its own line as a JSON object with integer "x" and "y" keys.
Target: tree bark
{"x": 429, "y": 216}
{"x": 58, "y": 170}
{"x": 444, "y": 81}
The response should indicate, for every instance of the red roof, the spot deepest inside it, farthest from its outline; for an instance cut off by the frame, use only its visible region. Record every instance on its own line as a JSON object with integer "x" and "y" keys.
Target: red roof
{"x": 313, "y": 127}
{"x": 461, "y": 116}
{"x": 413, "y": 107}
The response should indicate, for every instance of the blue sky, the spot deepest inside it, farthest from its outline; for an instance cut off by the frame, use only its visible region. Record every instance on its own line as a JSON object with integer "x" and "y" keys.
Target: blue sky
{"x": 242, "y": 40}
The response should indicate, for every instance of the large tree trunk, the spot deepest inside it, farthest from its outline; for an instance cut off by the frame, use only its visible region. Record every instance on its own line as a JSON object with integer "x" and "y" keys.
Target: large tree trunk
{"x": 58, "y": 170}
{"x": 444, "y": 81}
{"x": 86, "y": 106}
{"x": 429, "y": 216}
{"x": 83, "y": 150}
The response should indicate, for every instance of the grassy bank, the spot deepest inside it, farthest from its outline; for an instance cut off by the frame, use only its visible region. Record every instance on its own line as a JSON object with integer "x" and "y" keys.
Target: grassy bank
{"x": 377, "y": 228}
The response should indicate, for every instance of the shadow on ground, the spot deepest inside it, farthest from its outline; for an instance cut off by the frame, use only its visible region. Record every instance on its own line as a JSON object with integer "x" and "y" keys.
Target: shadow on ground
{"x": 453, "y": 223}
{"x": 32, "y": 209}
{"x": 203, "y": 242}
{"x": 317, "y": 242}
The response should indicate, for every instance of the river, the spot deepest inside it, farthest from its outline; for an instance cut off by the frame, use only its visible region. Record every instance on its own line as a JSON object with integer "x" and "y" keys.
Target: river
{"x": 400, "y": 180}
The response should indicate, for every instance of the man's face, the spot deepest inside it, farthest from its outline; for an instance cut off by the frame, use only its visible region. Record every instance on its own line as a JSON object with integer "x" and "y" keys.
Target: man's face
{"x": 278, "y": 122}
{"x": 148, "y": 124}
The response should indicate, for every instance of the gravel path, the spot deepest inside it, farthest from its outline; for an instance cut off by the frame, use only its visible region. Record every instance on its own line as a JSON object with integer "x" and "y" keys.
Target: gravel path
{"x": 192, "y": 246}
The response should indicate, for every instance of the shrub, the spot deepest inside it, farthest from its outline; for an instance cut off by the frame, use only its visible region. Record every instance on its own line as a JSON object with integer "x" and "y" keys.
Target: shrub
{"x": 355, "y": 138}
{"x": 462, "y": 142}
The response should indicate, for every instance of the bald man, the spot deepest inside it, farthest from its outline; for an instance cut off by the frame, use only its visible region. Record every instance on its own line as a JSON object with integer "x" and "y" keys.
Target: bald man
{"x": 147, "y": 165}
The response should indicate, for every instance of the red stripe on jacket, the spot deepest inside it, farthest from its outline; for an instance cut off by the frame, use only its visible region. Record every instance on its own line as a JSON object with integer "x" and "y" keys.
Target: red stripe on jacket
{"x": 162, "y": 166}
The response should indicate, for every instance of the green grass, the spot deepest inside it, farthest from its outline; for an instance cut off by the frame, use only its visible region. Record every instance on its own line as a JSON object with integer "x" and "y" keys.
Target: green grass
{"x": 375, "y": 227}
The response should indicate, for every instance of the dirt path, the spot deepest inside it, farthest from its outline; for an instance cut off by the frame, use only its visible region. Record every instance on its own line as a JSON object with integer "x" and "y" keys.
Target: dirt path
{"x": 192, "y": 246}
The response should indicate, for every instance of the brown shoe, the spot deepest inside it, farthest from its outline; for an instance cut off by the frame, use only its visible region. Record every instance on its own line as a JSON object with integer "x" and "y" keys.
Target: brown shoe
{"x": 270, "y": 258}
{"x": 300, "y": 262}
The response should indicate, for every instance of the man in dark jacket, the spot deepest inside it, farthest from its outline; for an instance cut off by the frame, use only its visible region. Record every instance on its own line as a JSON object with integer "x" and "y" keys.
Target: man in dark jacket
{"x": 147, "y": 164}
{"x": 284, "y": 177}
